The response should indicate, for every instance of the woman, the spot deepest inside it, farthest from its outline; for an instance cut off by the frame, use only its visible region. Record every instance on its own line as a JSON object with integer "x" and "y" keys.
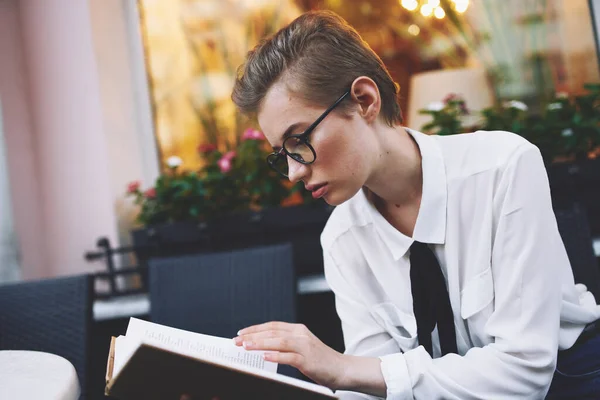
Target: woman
{"x": 450, "y": 277}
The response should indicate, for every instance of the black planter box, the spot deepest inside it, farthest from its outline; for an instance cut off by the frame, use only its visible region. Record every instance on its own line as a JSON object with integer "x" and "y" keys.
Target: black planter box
{"x": 299, "y": 225}
{"x": 577, "y": 182}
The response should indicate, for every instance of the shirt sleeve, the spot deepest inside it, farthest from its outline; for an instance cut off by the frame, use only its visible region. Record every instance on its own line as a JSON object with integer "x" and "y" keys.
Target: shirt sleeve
{"x": 363, "y": 336}
{"x": 527, "y": 258}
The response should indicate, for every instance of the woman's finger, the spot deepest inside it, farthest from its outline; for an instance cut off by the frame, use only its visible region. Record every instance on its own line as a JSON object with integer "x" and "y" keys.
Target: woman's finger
{"x": 285, "y": 344}
{"x": 251, "y": 337}
{"x": 268, "y": 326}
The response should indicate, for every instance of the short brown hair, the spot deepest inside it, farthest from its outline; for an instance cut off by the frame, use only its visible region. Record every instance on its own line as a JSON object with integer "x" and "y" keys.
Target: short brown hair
{"x": 324, "y": 55}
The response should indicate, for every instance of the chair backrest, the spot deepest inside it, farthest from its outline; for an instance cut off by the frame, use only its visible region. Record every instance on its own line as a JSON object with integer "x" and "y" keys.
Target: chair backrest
{"x": 575, "y": 232}
{"x": 220, "y": 293}
{"x": 53, "y": 316}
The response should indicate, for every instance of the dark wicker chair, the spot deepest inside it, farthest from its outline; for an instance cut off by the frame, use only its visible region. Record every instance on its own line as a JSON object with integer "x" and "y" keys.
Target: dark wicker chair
{"x": 575, "y": 232}
{"x": 220, "y": 293}
{"x": 52, "y": 315}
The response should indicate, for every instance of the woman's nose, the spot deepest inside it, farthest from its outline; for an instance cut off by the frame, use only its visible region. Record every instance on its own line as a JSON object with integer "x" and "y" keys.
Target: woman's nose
{"x": 296, "y": 170}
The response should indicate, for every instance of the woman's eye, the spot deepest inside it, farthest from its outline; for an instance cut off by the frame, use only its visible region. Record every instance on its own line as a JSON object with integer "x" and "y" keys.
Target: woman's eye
{"x": 297, "y": 156}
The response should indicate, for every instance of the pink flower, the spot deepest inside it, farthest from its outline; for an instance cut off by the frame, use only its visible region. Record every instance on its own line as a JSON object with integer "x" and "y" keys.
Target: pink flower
{"x": 248, "y": 134}
{"x": 206, "y": 148}
{"x": 224, "y": 165}
{"x": 252, "y": 134}
{"x": 450, "y": 97}
{"x": 224, "y": 162}
{"x": 229, "y": 155}
{"x": 150, "y": 193}
{"x": 133, "y": 187}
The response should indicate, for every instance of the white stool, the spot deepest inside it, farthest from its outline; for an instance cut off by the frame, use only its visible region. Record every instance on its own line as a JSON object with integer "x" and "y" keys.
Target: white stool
{"x": 37, "y": 375}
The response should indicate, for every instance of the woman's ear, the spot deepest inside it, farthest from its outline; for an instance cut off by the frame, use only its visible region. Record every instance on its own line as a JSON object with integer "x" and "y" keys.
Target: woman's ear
{"x": 365, "y": 93}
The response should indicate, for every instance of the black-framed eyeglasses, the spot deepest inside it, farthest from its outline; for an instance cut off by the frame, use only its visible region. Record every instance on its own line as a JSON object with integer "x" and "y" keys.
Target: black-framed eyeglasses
{"x": 297, "y": 146}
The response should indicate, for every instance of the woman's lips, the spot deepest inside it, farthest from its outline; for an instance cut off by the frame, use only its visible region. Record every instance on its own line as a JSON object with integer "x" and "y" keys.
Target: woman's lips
{"x": 319, "y": 192}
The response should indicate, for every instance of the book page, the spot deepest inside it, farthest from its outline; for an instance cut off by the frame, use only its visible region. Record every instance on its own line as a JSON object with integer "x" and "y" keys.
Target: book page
{"x": 195, "y": 345}
{"x": 205, "y": 347}
{"x": 124, "y": 349}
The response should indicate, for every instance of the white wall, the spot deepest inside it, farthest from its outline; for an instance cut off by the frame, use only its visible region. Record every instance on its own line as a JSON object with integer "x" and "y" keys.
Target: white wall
{"x": 125, "y": 102}
{"x": 69, "y": 132}
{"x": 78, "y": 126}
{"x": 9, "y": 265}
{"x": 20, "y": 144}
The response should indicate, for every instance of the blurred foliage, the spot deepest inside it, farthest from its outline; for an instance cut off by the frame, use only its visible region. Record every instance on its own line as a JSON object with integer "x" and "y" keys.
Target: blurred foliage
{"x": 446, "y": 115}
{"x": 230, "y": 182}
{"x": 567, "y": 129}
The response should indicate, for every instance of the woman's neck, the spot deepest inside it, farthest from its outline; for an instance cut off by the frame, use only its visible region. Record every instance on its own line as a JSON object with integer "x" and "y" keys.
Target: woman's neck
{"x": 397, "y": 178}
{"x": 396, "y": 184}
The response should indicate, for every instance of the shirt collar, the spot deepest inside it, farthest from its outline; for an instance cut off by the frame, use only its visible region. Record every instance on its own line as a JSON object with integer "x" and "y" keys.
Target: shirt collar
{"x": 431, "y": 220}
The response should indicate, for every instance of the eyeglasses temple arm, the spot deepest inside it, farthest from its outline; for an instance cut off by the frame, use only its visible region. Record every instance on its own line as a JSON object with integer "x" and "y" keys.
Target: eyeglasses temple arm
{"x": 322, "y": 117}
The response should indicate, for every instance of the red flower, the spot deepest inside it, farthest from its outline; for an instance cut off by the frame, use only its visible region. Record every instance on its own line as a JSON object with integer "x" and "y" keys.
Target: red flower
{"x": 133, "y": 187}
{"x": 150, "y": 193}
{"x": 206, "y": 148}
{"x": 252, "y": 134}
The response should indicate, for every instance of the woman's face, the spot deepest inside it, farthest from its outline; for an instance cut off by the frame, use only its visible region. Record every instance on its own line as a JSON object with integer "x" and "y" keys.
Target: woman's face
{"x": 341, "y": 141}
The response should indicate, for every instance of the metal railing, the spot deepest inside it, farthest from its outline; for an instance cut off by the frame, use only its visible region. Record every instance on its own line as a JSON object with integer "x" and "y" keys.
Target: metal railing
{"x": 108, "y": 253}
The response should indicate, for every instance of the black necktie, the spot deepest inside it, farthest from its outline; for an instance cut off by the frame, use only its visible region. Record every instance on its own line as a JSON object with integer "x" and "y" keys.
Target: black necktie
{"x": 431, "y": 302}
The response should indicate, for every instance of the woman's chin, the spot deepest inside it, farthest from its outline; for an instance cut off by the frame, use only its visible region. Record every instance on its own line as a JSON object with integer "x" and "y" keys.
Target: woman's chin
{"x": 334, "y": 199}
{"x": 329, "y": 201}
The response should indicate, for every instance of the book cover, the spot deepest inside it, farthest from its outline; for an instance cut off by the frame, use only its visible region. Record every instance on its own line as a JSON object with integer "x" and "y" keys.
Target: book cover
{"x": 153, "y": 361}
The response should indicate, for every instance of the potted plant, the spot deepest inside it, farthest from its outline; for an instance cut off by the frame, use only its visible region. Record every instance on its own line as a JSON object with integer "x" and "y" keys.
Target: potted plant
{"x": 446, "y": 116}
{"x": 574, "y": 127}
{"x": 235, "y": 200}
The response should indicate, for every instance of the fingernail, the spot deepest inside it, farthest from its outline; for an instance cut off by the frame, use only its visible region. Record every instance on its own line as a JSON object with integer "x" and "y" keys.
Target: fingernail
{"x": 239, "y": 332}
{"x": 237, "y": 340}
{"x": 248, "y": 344}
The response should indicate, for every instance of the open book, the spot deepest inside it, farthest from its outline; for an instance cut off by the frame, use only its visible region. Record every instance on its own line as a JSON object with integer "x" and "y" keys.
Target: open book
{"x": 153, "y": 361}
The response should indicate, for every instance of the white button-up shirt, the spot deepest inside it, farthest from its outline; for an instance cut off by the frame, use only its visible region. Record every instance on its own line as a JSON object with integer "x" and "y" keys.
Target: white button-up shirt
{"x": 486, "y": 212}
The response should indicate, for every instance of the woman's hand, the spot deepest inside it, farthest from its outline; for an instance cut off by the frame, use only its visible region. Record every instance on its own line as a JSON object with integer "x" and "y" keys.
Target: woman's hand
{"x": 295, "y": 345}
